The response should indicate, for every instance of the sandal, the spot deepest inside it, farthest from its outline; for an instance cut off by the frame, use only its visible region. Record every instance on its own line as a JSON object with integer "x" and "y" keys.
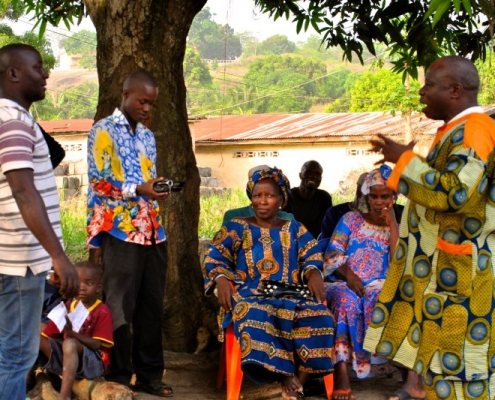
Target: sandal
{"x": 344, "y": 392}
{"x": 155, "y": 388}
{"x": 402, "y": 394}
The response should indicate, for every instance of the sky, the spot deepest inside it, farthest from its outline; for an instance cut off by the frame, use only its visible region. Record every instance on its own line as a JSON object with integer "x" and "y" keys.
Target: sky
{"x": 241, "y": 15}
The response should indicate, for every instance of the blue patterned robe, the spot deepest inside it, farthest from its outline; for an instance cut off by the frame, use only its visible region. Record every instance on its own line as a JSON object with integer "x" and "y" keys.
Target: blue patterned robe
{"x": 278, "y": 335}
{"x": 365, "y": 248}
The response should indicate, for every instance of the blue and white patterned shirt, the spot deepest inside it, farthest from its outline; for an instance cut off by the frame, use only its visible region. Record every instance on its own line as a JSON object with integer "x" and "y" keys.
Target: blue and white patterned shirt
{"x": 118, "y": 161}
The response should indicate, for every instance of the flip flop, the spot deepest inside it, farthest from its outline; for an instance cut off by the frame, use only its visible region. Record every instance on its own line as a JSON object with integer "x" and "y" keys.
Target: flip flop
{"x": 347, "y": 392}
{"x": 155, "y": 388}
{"x": 402, "y": 394}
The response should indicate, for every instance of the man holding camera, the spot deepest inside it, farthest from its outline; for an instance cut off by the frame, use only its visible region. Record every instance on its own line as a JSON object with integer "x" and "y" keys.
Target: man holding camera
{"x": 123, "y": 219}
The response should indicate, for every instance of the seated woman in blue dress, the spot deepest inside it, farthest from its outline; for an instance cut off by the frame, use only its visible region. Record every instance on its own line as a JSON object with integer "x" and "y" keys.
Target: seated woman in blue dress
{"x": 284, "y": 336}
{"x": 357, "y": 259}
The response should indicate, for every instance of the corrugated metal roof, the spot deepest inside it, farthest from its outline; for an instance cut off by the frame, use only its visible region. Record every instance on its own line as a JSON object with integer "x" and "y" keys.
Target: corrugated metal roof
{"x": 308, "y": 126}
{"x": 81, "y": 125}
{"x": 283, "y": 126}
{"x": 67, "y": 126}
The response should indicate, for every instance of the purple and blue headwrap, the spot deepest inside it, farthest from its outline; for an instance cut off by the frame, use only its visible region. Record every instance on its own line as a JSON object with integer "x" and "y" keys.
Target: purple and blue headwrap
{"x": 277, "y": 176}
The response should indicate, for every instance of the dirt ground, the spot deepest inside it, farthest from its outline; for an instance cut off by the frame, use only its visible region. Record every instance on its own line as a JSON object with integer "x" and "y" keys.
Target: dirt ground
{"x": 194, "y": 377}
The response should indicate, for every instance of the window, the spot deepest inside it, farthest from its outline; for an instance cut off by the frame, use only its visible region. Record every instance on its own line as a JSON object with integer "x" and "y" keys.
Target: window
{"x": 360, "y": 152}
{"x": 73, "y": 147}
{"x": 253, "y": 154}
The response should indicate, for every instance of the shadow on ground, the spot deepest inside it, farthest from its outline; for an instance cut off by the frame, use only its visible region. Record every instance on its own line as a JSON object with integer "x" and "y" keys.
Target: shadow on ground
{"x": 194, "y": 377}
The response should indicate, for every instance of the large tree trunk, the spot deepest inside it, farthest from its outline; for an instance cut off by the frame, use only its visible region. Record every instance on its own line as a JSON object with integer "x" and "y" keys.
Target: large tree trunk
{"x": 151, "y": 35}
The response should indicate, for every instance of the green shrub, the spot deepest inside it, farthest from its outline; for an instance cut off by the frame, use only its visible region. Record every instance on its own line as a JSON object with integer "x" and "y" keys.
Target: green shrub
{"x": 213, "y": 207}
{"x": 73, "y": 213}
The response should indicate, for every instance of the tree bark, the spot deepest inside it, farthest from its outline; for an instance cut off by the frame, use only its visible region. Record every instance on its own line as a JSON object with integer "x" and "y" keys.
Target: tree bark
{"x": 151, "y": 35}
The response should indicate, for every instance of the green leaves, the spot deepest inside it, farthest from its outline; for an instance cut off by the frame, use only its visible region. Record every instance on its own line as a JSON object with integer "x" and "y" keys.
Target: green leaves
{"x": 439, "y": 7}
{"x": 52, "y": 12}
{"x": 82, "y": 42}
{"x": 7, "y": 36}
{"x": 417, "y": 31}
{"x": 212, "y": 40}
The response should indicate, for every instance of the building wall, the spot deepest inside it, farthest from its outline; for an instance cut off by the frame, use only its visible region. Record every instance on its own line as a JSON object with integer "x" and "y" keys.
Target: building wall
{"x": 75, "y": 146}
{"x": 67, "y": 62}
{"x": 230, "y": 164}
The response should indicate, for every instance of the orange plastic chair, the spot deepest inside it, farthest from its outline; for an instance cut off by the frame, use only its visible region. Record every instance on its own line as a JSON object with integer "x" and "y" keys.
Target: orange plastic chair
{"x": 230, "y": 366}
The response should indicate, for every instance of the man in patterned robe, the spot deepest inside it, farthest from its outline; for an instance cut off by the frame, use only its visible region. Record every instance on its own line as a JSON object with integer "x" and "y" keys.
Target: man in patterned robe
{"x": 436, "y": 311}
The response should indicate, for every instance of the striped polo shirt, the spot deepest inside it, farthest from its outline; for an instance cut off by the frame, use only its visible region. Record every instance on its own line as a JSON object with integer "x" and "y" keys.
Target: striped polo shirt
{"x": 22, "y": 146}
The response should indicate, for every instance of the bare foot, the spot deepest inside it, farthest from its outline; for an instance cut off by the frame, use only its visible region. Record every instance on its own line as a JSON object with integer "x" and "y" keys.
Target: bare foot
{"x": 342, "y": 385}
{"x": 341, "y": 394}
{"x": 291, "y": 388}
{"x": 413, "y": 386}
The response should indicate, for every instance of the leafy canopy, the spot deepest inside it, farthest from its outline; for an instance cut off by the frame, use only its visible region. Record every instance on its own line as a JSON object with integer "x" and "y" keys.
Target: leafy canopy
{"x": 51, "y": 12}
{"x": 213, "y": 41}
{"x": 285, "y": 83}
{"x": 276, "y": 44}
{"x": 7, "y": 36}
{"x": 82, "y": 42}
{"x": 416, "y": 31}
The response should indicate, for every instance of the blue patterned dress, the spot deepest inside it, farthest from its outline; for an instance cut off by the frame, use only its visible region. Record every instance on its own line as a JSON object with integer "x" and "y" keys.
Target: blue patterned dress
{"x": 365, "y": 248}
{"x": 278, "y": 335}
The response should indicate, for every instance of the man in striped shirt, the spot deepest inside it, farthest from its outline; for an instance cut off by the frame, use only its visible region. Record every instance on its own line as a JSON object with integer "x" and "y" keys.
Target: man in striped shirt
{"x": 30, "y": 232}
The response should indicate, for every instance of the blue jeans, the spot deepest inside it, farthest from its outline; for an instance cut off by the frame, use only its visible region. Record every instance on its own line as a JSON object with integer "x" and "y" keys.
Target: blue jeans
{"x": 21, "y": 299}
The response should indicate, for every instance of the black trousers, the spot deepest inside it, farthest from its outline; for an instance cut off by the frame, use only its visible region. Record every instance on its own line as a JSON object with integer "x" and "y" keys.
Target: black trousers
{"x": 134, "y": 289}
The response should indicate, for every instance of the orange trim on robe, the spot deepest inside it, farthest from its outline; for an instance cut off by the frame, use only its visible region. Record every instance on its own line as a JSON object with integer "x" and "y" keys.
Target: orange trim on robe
{"x": 483, "y": 145}
{"x": 460, "y": 249}
{"x": 441, "y": 131}
{"x": 402, "y": 162}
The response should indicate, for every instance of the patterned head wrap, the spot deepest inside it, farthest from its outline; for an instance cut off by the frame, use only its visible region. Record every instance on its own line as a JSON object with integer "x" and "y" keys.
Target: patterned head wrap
{"x": 377, "y": 177}
{"x": 250, "y": 174}
{"x": 373, "y": 178}
{"x": 277, "y": 176}
{"x": 359, "y": 202}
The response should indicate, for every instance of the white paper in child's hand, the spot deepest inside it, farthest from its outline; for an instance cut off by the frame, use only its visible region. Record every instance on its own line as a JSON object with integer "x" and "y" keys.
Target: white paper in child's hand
{"x": 57, "y": 315}
{"x": 78, "y": 316}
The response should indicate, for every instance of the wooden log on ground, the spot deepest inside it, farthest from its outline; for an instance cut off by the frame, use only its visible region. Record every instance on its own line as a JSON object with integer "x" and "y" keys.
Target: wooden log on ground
{"x": 84, "y": 389}
{"x": 100, "y": 389}
{"x": 45, "y": 388}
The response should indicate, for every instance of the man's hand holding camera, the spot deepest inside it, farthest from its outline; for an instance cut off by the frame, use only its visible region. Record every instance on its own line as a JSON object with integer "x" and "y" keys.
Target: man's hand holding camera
{"x": 147, "y": 190}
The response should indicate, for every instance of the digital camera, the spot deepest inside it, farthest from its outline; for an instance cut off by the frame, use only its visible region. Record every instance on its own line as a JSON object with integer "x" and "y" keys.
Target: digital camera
{"x": 168, "y": 185}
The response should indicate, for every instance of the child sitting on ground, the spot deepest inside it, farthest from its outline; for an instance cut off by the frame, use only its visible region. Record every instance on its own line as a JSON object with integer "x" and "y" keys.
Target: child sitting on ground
{"x": 83, "y": 354}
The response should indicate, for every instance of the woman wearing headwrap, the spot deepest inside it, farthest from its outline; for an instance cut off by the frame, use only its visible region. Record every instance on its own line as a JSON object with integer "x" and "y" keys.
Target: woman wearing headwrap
{"x": 357, "y": 260}
{"x": 284, "y": 336}
{"x": 335, "y": 213}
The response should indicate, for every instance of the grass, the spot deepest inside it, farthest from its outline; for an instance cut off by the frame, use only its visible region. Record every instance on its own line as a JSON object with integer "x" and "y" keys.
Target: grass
{"x": 213, "y": 207}
{"x": 73, "y": 213}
